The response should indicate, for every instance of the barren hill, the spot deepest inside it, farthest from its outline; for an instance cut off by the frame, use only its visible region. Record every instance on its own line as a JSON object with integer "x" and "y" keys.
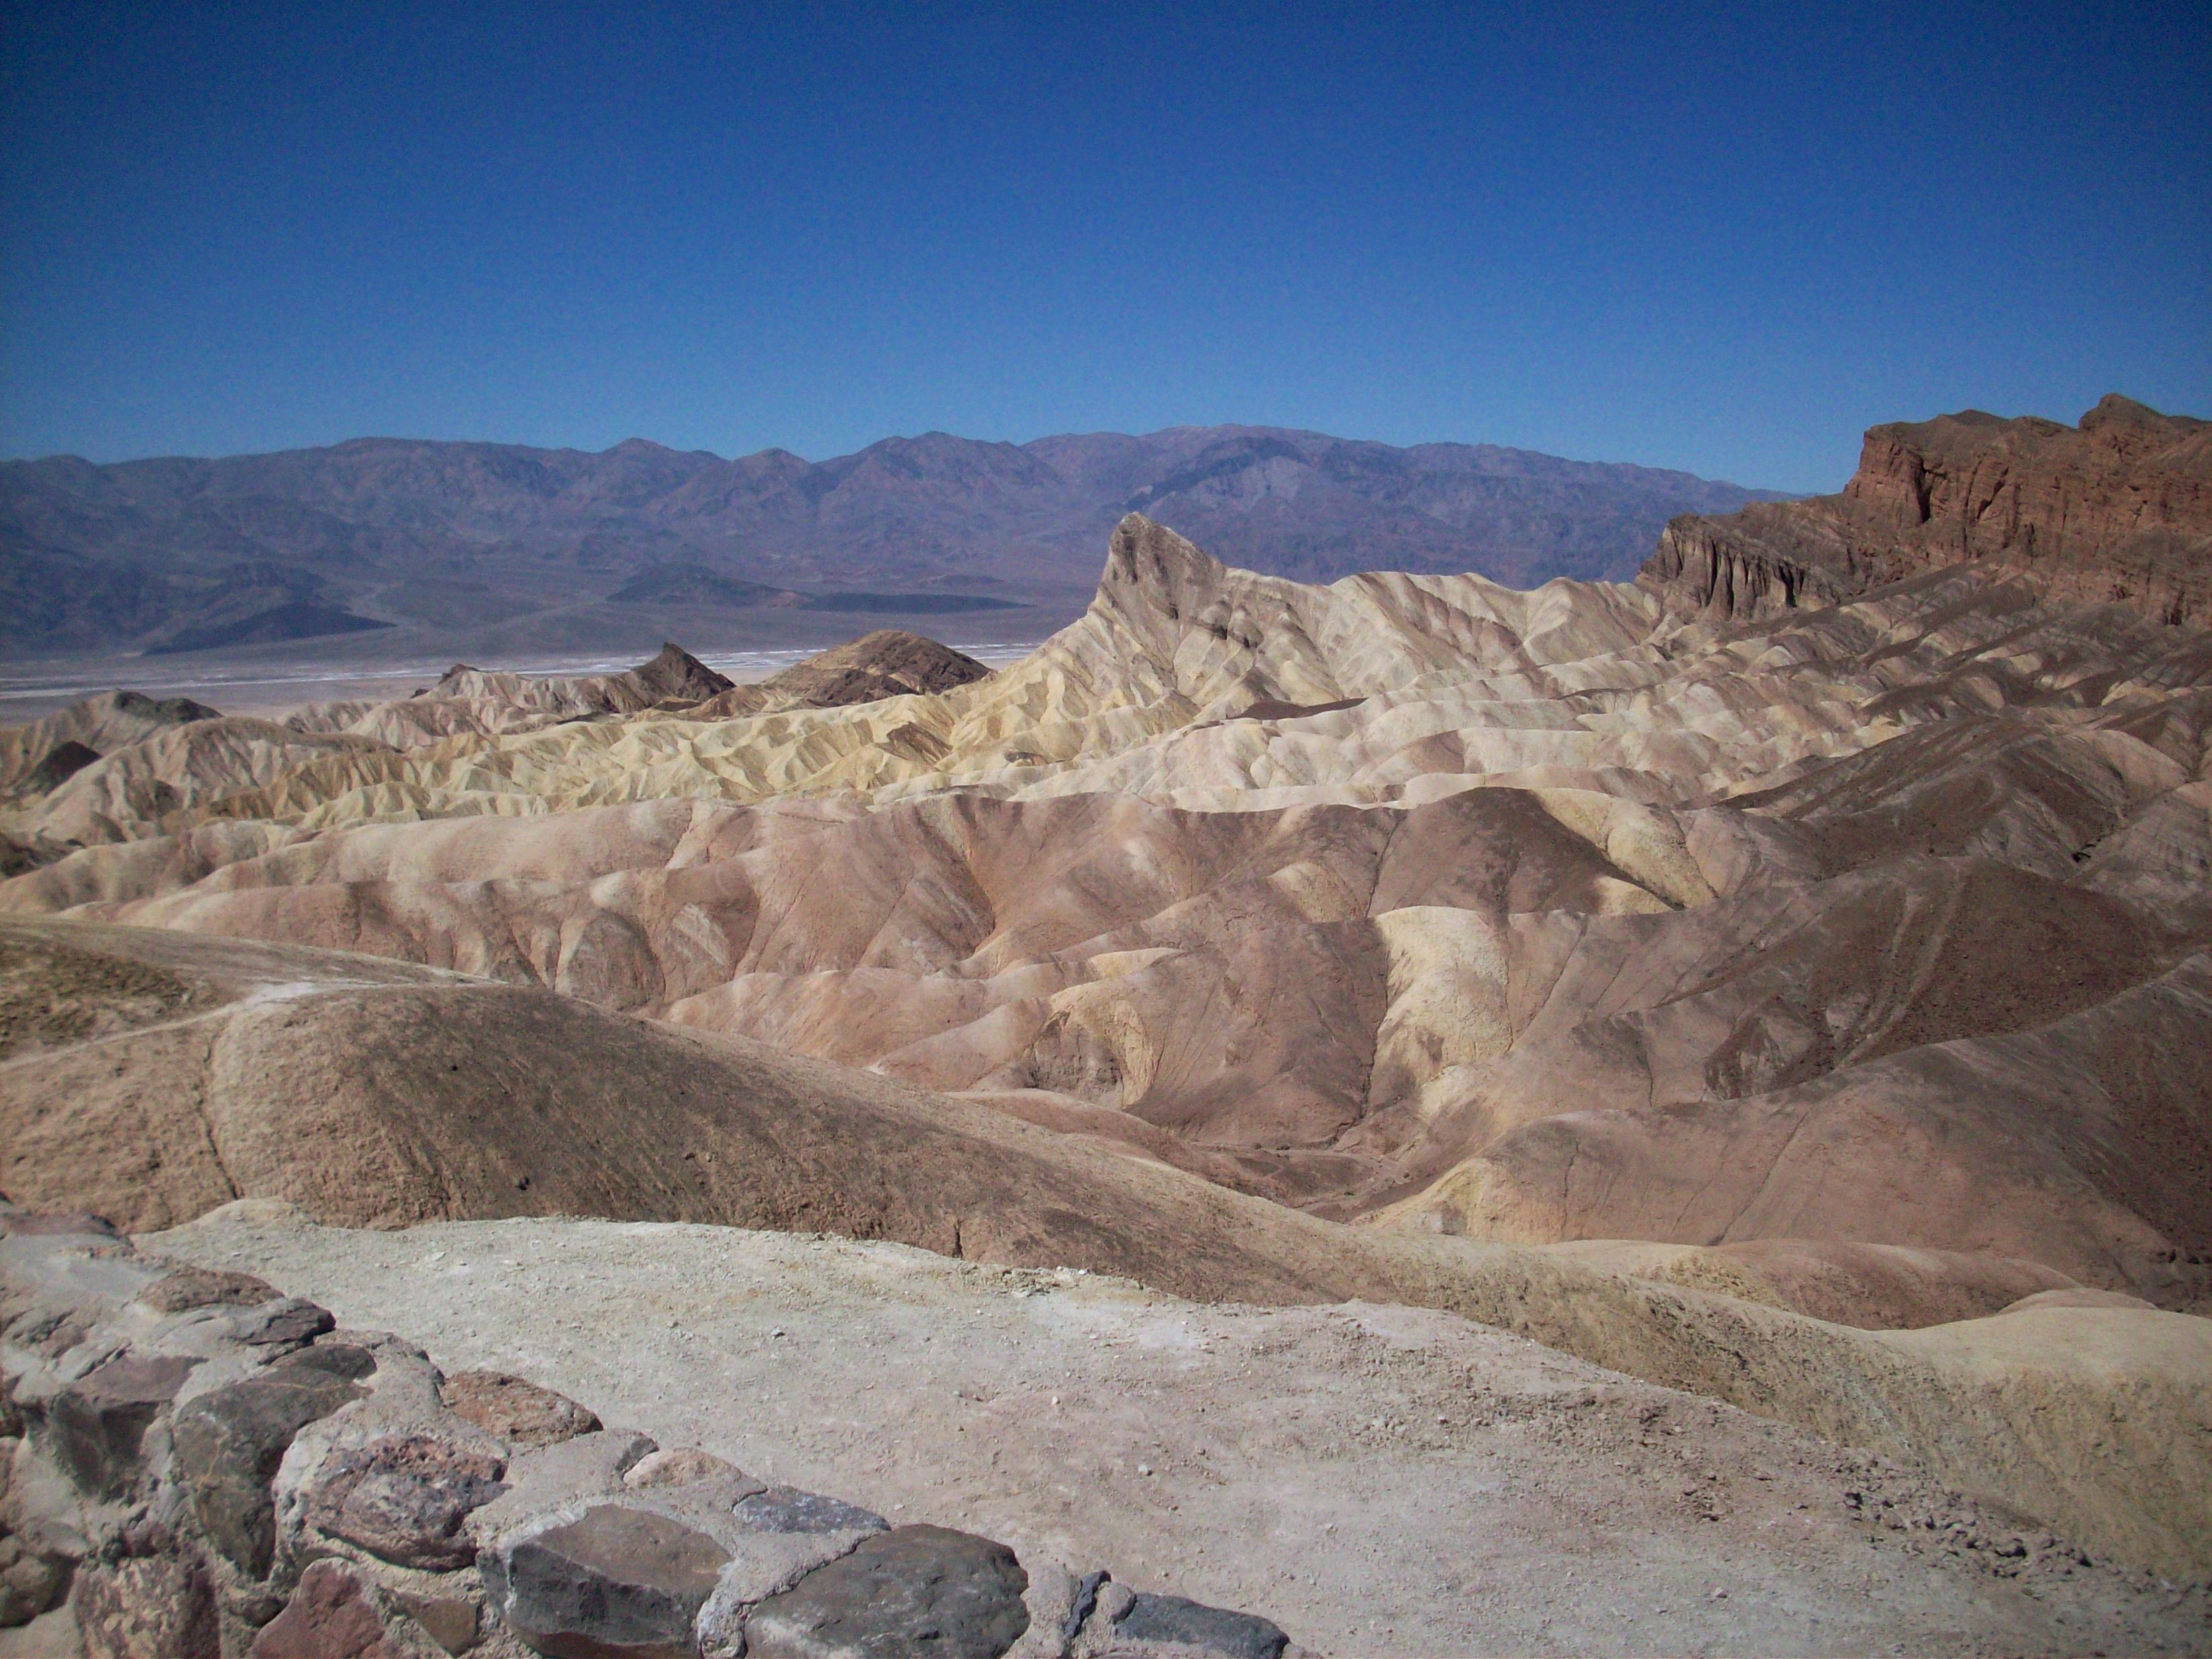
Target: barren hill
{"x": 1760, "y": 997}
{"x": 155, "y": 1076}
{"x": 1510, "y": 913}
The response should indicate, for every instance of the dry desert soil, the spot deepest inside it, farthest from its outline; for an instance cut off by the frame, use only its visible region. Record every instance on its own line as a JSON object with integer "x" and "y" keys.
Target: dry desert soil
{"x": 1378, "y": 1481}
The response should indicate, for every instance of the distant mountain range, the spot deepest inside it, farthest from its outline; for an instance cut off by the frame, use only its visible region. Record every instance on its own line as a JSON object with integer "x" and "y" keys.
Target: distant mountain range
{"x": 186, "y": 554}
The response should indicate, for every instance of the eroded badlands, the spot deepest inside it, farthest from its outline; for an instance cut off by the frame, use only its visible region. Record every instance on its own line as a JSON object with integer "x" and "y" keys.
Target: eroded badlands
{"x": 1788, "y": 980}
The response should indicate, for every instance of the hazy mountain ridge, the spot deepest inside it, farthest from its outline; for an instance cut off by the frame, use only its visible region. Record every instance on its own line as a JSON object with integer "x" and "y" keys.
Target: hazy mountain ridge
{"x": 136, "y": 552}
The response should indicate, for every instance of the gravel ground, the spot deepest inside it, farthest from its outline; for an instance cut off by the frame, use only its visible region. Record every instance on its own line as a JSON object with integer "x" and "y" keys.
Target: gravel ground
{"x": 1379, "y": 1480}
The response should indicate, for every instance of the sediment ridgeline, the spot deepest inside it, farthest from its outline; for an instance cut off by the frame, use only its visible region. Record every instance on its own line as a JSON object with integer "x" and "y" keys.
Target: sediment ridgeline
{"x": 1729, "y": 1052}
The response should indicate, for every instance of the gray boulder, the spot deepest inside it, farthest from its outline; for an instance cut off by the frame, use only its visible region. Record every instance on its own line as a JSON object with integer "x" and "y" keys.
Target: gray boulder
{"x": 614, "y": 1581}
{"x": 1171, "y": 1622}
{"x": 787, "y": 1509}
{"x": 405, "y": 1498}
{"x": 288, "y": 1322}
{"x": 228, "y": 1443}
{"x": 916, "y": 1590}
{"x": 97, "y": 1424}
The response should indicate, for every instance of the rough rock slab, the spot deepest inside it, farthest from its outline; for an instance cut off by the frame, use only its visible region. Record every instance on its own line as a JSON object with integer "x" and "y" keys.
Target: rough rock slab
{"x": 1178, "y": 1624}
{"x": 787, "y": 1509}
{"x": 287, "y": 1324}
{"x": 98, "y": 1421}
{"x": 614, "y": 1580}
{"x": 202, "y": 1287}
{"x": 148, "y": 1607}
{"x": 679, "y": 1467}
{"x": 227, "y": 1443}
{"x": 919, "y": 1591}
{"x": 520, "y": 1413}
{"x": 335, "y": 1614}
{"x": 32, "y": 1579}
{"x": 405, "y": 1498}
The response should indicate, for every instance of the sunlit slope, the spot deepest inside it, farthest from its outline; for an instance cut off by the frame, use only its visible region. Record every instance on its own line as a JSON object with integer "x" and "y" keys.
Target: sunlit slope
{"x": 1532, "y": 916}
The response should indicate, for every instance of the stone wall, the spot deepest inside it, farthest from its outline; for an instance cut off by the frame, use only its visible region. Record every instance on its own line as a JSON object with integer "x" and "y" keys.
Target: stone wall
{"x": 198, "y": 1467}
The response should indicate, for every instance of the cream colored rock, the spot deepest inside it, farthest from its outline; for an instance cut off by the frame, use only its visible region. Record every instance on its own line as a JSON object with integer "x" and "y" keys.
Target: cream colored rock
{"x": 1850, "y": 964}
{"x": 1405, "y": 895}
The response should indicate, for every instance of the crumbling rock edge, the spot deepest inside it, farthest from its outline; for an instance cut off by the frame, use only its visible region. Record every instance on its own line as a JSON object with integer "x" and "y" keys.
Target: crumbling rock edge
{"x": 2116, "y": 510}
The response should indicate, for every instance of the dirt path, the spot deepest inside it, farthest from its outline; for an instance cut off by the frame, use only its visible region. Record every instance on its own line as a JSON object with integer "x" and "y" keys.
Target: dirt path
{"x": 1378, "y": 1481}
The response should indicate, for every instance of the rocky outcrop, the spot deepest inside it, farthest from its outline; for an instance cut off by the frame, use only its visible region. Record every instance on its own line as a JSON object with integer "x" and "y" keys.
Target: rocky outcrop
{"x": 199, "y": 1467}
{"x": 93, "y": 727}
{"x": 888, "y": 662}
{"x": 2118, "y": 510}
{"x": 1762, "y": 561}
{"x": 117, "y": 766}
{"x": 674, "y": 676}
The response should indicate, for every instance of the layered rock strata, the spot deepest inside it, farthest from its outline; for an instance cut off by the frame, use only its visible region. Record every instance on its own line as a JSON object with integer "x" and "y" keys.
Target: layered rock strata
{"x": 120, "y": 766}
{"x": 1513, "y": 914}
{"x": 2115, "y": 511}
{"x": 1853, "y": 960}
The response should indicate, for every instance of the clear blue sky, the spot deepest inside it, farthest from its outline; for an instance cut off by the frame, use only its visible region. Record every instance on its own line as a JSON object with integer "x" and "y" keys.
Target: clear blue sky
{"x": 1721, "y": 238}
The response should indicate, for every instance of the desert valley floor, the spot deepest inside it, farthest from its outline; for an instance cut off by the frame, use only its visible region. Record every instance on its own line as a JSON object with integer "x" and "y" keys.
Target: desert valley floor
{"x": 1608, "y": 1119}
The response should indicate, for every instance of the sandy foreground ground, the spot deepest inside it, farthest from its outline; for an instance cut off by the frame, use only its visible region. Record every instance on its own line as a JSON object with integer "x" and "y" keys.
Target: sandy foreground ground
{"x": 1378, "y": 1481}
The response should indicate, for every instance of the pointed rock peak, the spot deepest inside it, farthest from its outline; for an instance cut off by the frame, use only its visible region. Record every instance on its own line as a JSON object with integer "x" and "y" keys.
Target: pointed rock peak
{"x": 169, "y": 711}
{"x": 2112, "y": 406}
{"x": 888, "y": 662}
{"x": 677, "y": 673}
{"x": 1145, "y": 554}
{"x": 2114, "y": 413}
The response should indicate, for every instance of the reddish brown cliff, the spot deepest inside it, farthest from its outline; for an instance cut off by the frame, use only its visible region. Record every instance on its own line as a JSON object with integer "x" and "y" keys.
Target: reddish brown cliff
{"x": 2116, "y": 510}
